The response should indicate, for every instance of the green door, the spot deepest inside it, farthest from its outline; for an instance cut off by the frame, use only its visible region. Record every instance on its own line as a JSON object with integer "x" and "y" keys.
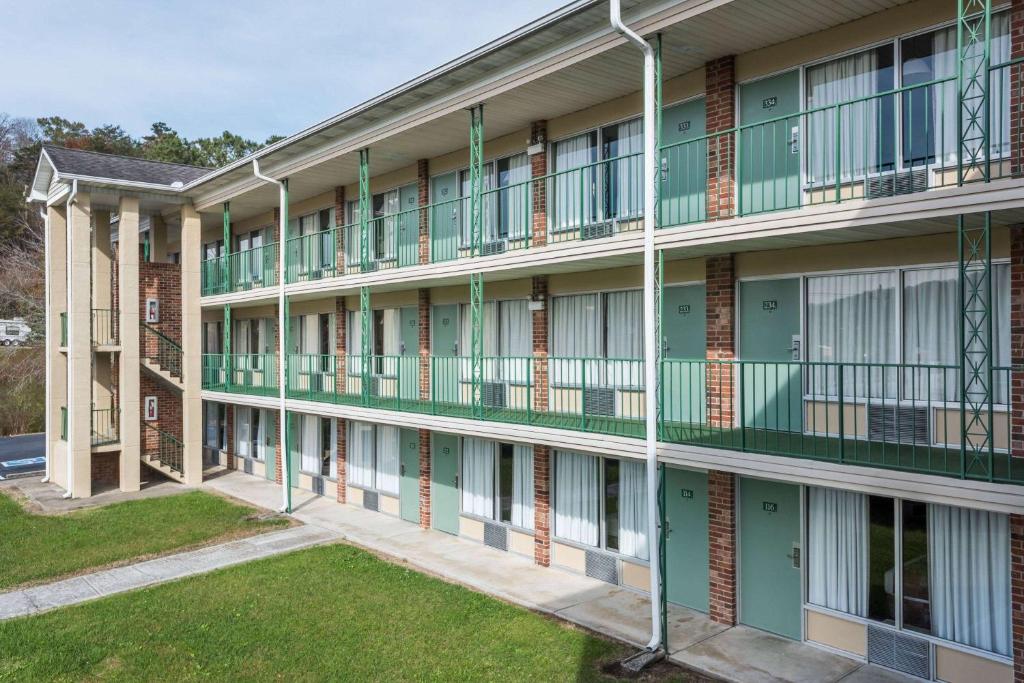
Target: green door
{"x": 444, "y": 483}
{"x": 408, "y": 226}
{"x": 444, "y": 343}
{"x": 408, "y": 364}
{"x": 684, "y": 163}
{"x": 686, "y": 538}
{"x": 271, "y": 449}
{"x": 769, "y": 344}
{"x": 409, "y": 476}
{"x": 444, "y": 217}
{"x": 684, "y": 330}
{"x": 768, "y": 150}
{"x": 769, "y": 557}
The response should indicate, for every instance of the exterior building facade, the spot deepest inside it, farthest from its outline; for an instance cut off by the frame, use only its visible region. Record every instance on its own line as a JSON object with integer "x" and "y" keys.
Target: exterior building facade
{"x": 437, "y": 314}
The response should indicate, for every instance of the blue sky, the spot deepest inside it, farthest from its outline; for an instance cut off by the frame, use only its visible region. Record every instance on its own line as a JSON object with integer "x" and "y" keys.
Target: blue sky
{"x": 254, "y": 67}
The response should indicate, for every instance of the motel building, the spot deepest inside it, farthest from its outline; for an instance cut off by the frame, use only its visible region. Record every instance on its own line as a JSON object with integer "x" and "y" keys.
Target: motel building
{"x": 432, "y": 306}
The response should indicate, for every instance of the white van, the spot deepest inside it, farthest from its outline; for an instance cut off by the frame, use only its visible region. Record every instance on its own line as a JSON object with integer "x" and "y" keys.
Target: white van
{"x": 14, "y": 332}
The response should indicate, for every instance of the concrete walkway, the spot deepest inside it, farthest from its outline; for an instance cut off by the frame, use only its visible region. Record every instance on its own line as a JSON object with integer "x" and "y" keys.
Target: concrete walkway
{"x": 26, "y": 601}
{"x": 738, "y": 654}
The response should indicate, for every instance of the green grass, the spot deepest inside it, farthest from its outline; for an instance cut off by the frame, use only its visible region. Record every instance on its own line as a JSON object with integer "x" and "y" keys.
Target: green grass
{"x": 43, "y": 547}
{"x": 328, "y": 613}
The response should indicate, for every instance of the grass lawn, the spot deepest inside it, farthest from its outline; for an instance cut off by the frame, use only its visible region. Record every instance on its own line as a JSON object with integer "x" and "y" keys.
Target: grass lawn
{"x": 34, "y": 547}
{"x": 329, "y": 613}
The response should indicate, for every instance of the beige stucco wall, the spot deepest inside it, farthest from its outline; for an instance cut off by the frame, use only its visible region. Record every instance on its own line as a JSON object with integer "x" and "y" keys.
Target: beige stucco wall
{"x": 842, "y": 634}
{"x": 955, "y": 666}
{"x": 129, "y": 358}
{"x": 57, "y": 386}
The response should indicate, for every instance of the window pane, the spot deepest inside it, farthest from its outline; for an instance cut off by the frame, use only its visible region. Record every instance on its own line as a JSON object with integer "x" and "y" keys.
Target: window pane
{"x": 325, "y": 447}
{"x": 506, "y": 479}
{"x": 882, "y": 563}
{"x": 837, "y": 549}
{"x": 916, "y": 603}
{"x": 611, "y": 504}
{"x": 576, "y": 497}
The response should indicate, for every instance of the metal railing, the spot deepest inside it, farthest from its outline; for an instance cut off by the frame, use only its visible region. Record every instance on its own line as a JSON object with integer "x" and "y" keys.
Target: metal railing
{"x": 596, "y": 200}
{"x": 214, "y": 372}
{"x": 392, "y": 242}
{"x": 105, "y": 426}
{"x": 63, "y": 423}
{"x": 240, "y": 271}
{"x": 160, "y": 349}
{"x": 159, "y": 446}
{"x": 105, "y": 330}
{"x": 311, "y": 257}
{"x": 64, "y": 328}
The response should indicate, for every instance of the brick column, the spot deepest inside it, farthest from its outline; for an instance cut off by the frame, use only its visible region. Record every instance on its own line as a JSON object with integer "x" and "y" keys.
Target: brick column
{"x": 425, "y": 478}
{"x": 424, "y": 339}
{"x": 722, "y": 547}
{"x": 720, "y": 99}
{"x": 1017, "y": 594}
{"x": 1016, "y": 103}
{"x": 538, "y": 169}
{"x": 342, "y": 459}
{"x": 279, "y": 449}
{"x": 721, "y": 338}
{"x": 423, "y": 192}
{"x": 540, "y": 344}
{"x": 542, "y": 505}
{"x": 339, "y": 220}
{"x": 229, "y": 427}
{"x": 340, "y": 341}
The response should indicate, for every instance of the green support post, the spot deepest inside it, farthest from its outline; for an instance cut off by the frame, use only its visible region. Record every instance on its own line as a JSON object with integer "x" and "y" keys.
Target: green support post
{"x": 364, "y": 346}
{"x": 662, "y": 557}
{"x": 227, "y": 346}
{"x": 364, "y": 209}
{"x": 973, "y": 43}
{"x": 227, "y": 246}
{"x": 659, "y": 312}
{"x": 476, "y": 178}
{"x": 476, "y": 312}
{"x": 975, "y": 331}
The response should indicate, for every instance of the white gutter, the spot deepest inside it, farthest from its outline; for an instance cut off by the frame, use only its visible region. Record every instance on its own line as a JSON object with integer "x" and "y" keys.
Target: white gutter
{"x": 282, "y": 421}
{"x": 650, "y": 343}
{"x": 45, "y": 215}
{"x": 70, "y": 295}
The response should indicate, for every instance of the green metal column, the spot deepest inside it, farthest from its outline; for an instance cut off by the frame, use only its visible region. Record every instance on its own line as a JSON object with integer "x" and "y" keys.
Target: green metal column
{"x": 227, "y": 246}
{"x": 973, "y": 42}
{"x": 662, "y": 557}
{"x": 476, "y": 177}
{"x": 476, "y": 312}
{"x": 975, "y": 330}
{"x": 226, "y": 353}
{"x": 364, "y": 209}
{"x": 364, "y": 348}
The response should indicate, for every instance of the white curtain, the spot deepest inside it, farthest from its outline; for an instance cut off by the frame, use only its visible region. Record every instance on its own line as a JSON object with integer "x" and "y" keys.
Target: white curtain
{"x": 852, "y": 319}
{"x": 625, "y": 328}
{"x": 969, "y": 577}
{"x": 577, "y": 496}
{"x": 478, "y": 477}
{"x": 837, "y": 535}
{"x": 385, "y": 226}
{"x": 389, "y": 446}
{"x": 309, "y": 443}
{"x": 354, "y": 341}
{"x": 626, "y": 174}
{"x": 242, "y": 432}
{"x": 842, "y": 80}
{"x": 516, "y": 200}
{"x": 515, "y": 344}
{"x": 360, "y": 454}
{"x": 392, "y": 342}
{"x": 522, "y": 486}
{"x": 574, "y": 191}
{"x": 258, "y": 430}
{"x": 576, "y": 332}
{"x": 633, "y": 508}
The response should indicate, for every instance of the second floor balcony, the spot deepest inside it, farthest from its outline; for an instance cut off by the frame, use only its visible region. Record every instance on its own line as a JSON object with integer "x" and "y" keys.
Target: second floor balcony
{"x": 240, "y": 271}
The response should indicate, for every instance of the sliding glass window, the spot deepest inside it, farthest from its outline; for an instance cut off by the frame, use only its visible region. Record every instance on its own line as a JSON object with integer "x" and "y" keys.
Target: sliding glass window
{"x": 373, "y": 456}
{"x": 497, "y": 481}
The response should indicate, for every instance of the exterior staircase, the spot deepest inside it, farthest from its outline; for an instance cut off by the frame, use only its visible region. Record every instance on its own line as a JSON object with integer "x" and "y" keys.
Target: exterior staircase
{"x": 163, "y": 453}
{"x": 161, "y": 356}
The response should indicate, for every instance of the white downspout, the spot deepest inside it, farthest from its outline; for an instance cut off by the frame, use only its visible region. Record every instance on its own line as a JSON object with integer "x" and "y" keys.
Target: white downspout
{"x": 45, "y": 215}
{"x": 650, "y": 343}
{"x": 71, "y": 413}
{"x": 282, "y": 420}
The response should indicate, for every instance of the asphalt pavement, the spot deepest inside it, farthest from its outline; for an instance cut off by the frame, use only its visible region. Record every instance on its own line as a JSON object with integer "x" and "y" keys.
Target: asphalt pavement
{"x": 22, "y": 455}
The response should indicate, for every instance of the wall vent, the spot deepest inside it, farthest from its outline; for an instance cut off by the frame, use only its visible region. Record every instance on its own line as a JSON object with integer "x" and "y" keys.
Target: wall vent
{"x": 493, "y": 394}
{"x": 599, "y": 401}
{"x": 899, "y": 651}
{"x": 602, "y": 567}
{"x": 495, "y": 536}
{"x": 318, "y": 486}
{"x": 370, "y": 501}
{"x": 898, "y": 424}
{"x": 491, "y": 248}
{"x": 894, "y": 184}
{"x": 247, "y": 465}
{"x": 593, "y": 231}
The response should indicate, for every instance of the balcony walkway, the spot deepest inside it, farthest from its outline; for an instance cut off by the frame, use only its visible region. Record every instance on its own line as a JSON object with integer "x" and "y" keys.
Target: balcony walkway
{"x": 738, "y": 654}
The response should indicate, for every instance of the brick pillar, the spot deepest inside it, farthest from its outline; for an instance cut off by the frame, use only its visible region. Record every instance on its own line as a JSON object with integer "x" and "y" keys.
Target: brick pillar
{"x": 279, "y": 450}
{"x": 229, "y": 427}
{"x": 538, "y": 169}
{"x": 339, "y": 220}
{"x": 425, "y": 478}
{"x": 340, "y": 341}
{"x": 423, "y": 192}
{"x": 1016, "y": 103}
{"x": 540, "y": 344}
{"x": 424, "y": 339}
{"x": 722, "y": 547}
{"x": 720, "y": 99}
{"x": 721, "y": 338}
{"x": 1017, "y": 594}
{"x": 342, "y": 458}
{"x": 542, "y": 505}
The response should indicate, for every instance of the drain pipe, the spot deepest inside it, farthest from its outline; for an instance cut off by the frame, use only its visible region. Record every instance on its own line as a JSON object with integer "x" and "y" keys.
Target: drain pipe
{"x": 650, "y": 343}
{"x": 71, "y": 413}
{"x": 282, "y": 420}
{"x": 45, "y": 215}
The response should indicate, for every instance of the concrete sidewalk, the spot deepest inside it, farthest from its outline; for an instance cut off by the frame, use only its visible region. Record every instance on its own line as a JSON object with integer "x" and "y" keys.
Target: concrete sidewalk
{"x": 737, "y": 654}
{"x": 26, "y": 601}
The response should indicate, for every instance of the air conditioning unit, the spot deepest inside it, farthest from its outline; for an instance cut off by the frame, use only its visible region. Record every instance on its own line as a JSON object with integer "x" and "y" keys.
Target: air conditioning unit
{"x": 899, "y": 651}
{"x": 894, "y": 184}
{"x": 601, "y": 567}
{"x": 492, "y": 394}
{"x": 491, "y": 248}
{"x": 593, "y": 231}
{"x": 247, "y": 466}
{"x": 375, "y": 386}
{"x": 898, "y": 424}
{"x": 495, "y": 536}
{"x": 599, "y": 401}
{"x": 318, "y": 486}
{"x": 370, "y": 501}
{"x": 369, "y": 267}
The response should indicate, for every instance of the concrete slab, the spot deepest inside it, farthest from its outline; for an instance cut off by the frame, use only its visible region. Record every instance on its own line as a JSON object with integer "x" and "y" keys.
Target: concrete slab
{"x": 621, "y": 613}
{"x": 869, "y": 673}
{"x": 47, "y": 498}
{"x": 687, "y": 627}
{"x": 748, "y": 655}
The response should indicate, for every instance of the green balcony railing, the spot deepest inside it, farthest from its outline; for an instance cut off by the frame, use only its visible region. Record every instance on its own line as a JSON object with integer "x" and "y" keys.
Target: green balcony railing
{"x": 596, "y": 200}
{"x": 161, "y": 350}
{"x": 240, "y": 271}
{"x": 240, "y": 373}
{"x": 63, "y": 423}
{"x": 902, "y": 417}
{"x": 64, "y": 328}
{"x": 311, "y": 257}
{"x": 105, "y": 426}
{"x": 164, "y": 448}
{"x": 214, "y": 372}
{"x": 105, "y": 330}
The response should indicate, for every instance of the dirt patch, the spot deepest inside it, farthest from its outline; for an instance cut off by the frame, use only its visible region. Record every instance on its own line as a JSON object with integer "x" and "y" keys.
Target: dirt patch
{"x": 662, "y": 670}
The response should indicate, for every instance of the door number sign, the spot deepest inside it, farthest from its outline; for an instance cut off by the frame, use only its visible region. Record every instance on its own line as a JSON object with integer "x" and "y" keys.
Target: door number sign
{"x": 770, "y": 305}
{"x": 770, "y": 506}
{"x": 769, "y": 102}
{"x": 684, "y": 309}
{"x": 686, "y": 493}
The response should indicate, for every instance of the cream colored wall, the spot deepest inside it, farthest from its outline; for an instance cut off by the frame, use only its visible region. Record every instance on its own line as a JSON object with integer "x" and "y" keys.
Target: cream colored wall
{"x": 842, "y": 634}
{"x": 955, "y": 666}
{"x": 493, "y": 291}
{"x": 310, "y": 307}
{"x": 383, "y": 182}
{"x": 628, "y": 277}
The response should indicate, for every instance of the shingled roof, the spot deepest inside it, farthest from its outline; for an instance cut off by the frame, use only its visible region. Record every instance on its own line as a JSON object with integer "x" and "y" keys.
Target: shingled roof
{"x": 77, "y": 162}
